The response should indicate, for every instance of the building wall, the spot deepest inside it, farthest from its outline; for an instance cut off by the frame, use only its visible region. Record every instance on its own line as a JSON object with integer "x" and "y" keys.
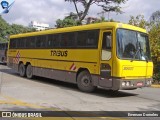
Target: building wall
{"x": 38, "y": 26}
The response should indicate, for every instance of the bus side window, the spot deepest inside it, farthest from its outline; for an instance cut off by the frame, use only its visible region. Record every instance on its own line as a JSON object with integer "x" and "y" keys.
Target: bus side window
{"x": 30, "y": 42}
{"x": 21, "y": 42}
{"x": 13, "y": 43}
{"x": 81, "y": 39}
{"x": 41, "y": 41}
{"x": 106, "y": 45}
{"x": 56, "y": 40}
{"x": 92, "y": 39}
{"x": 50, "y": 41}
{"x": 71, "y": 40}
{"x": 64, "y": 39}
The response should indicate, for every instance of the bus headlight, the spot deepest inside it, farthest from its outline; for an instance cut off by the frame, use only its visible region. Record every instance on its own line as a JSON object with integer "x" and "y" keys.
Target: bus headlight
{"x": 128, "y": 83}
{"x": 148, "y": 82}
{"x": 123, "y": 83}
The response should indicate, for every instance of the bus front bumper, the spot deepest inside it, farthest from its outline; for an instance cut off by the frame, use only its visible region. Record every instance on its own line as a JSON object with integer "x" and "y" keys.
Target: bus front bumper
{"x": 127, "y": 84}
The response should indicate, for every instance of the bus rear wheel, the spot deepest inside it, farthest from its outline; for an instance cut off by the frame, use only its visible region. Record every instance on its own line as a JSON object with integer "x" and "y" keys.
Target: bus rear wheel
{"x": 22, "y": 70}
{"x": 29, "y": 72}
{"x": 84, "y": 82}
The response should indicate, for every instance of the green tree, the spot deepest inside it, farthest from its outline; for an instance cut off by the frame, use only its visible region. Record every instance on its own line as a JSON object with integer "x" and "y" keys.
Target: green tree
{"x": 7, "y": 29}
{"x": 66, "y": 22}
{"x": 4, "y": 27}
{"x": 99, "y": 20}
{"x": 106, "y": 5}
{"x": 154, "y": 36}
{"x": 155, "y": 17}
{"x": 15, "y": 29}
{"x": 138, "y": 21}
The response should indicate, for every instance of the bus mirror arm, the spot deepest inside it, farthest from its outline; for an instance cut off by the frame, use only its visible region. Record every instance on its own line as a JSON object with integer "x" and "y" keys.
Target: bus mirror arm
{"x": 146, "y": 59}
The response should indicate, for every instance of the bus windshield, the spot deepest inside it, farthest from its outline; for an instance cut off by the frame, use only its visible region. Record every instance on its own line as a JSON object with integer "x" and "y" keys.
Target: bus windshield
{"x": 132, "y": 45}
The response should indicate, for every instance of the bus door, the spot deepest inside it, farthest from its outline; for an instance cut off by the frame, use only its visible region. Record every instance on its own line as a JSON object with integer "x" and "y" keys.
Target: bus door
{"x": 106, "y": 59}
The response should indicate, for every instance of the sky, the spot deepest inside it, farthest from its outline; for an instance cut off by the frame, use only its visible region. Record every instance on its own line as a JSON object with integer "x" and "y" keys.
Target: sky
{"x": 48, "y": 11}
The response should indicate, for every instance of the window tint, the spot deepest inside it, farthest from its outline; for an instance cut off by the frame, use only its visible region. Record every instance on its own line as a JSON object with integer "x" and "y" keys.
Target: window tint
{"x": 71, "y": 39}
{"x": 81, "y": 39}
{"x": 107, "y": 37}
{"x": 13, "y": 43}
{"x": 88, "y": 39}
{"x": 92, "y": 40}
{"x": 56, "y": 41}
{"x": 30, "y": 42}
{"x": 41, "y": 41}
{"x": 50, "y": 41}
{"x": 21, "y": 42}
{"x": 106, "y": 46}
{"x": 68, "y": 40}
{"x": 64, "y": 39}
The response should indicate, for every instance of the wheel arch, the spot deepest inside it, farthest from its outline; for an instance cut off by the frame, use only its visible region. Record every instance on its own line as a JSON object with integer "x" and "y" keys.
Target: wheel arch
{"x": 80, "y": 70}
{"x": 27, "y": 63}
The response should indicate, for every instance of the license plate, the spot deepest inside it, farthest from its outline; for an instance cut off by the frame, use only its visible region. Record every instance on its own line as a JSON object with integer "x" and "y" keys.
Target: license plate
{"x": 139, "y": 84}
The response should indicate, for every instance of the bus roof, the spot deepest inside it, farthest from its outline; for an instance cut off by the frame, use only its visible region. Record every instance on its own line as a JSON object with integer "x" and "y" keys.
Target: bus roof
{"x": 102, "y": 25}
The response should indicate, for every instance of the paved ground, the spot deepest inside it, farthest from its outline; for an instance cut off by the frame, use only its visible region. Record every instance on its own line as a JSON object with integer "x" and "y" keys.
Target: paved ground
{"x": 22, "y": 94}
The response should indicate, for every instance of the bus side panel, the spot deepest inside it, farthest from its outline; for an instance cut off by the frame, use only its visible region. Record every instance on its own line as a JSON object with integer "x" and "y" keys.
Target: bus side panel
{"x": 58, "y": 67}
{"x": 50, "y": 73}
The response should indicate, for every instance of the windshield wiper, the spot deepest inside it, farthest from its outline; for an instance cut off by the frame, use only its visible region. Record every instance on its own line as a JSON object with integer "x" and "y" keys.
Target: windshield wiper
{"x": 138, "y": 50}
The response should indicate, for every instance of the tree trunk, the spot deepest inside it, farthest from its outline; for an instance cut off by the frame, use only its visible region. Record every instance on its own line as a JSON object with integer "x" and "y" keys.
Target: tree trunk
{"x": 85, "y": 11}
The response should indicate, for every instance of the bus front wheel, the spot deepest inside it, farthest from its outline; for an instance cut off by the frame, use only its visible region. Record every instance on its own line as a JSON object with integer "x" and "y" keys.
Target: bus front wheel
{"x": 29, "y": 72}
{"x": 84, "y": 82}
{"x": 22, "y": 70}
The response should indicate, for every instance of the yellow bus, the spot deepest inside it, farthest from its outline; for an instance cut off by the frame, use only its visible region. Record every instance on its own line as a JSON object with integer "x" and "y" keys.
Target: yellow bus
{"x": 108, "y": 55}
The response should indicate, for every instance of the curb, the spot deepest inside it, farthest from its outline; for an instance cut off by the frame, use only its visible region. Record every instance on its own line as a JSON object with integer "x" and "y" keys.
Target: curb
{"x": 155, "y": 86}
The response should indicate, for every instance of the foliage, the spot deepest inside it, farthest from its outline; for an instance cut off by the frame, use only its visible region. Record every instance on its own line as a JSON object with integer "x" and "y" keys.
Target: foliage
{"x": 155, "y": 17}
{"x": 6, "y": 30}
{"x": 154, "y": 35}
{"x": 15, "y": 29}
{"x": 72, "y": 21}
{"x": 138, "y": 21}
{"x": 67, "y": 22}
{"x": 106, "y": 5}
{"x": 102, "y": 19}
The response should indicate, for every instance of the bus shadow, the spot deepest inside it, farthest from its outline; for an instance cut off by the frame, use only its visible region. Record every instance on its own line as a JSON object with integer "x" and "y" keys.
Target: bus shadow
{"x": 8, "y": 71}
{"x": 70, "y": 86}
{"x": 3, "y": 64}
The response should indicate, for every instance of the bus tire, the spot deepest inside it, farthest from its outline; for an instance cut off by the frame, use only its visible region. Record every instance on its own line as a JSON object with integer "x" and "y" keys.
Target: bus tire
{"x": 22, "y": 70}
{"x": 29, "y": 71}
{"x": 84, "y": 82}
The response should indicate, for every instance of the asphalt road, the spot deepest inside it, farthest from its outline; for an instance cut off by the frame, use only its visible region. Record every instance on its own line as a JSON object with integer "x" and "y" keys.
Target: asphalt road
{"x": 21, "y": 94}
